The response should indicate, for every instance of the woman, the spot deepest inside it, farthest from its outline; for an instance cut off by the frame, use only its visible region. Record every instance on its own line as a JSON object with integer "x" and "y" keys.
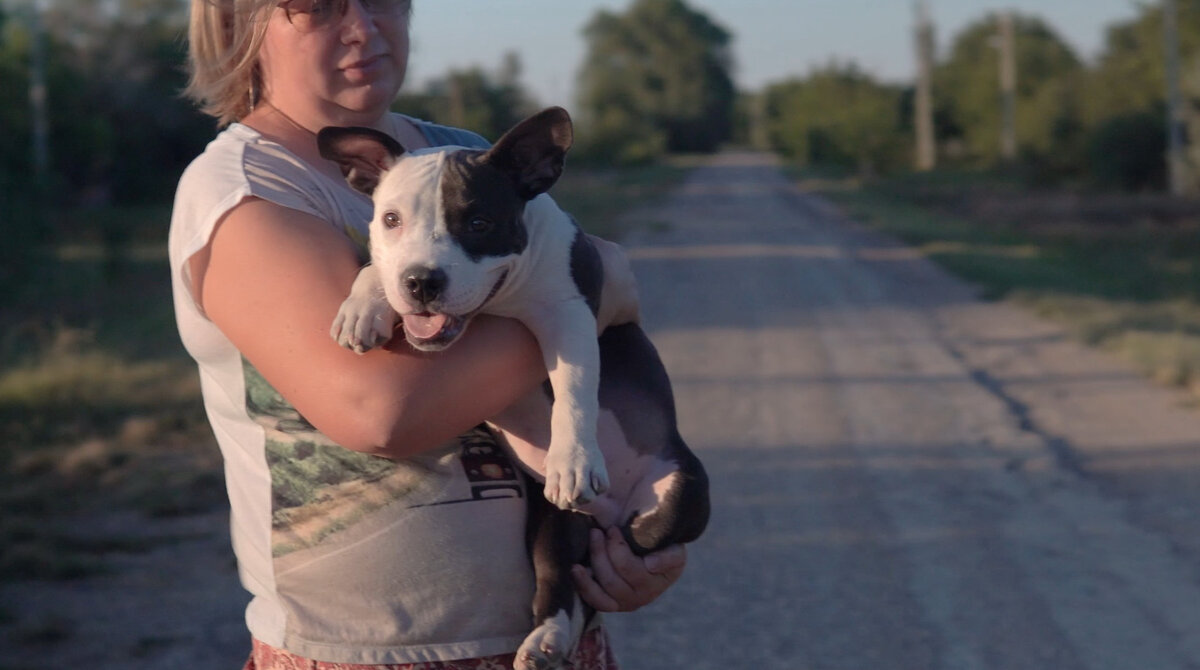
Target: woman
{"x": 373, "y": 525}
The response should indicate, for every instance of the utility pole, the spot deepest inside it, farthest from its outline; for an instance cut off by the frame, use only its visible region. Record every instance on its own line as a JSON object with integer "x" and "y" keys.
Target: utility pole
{"x": 759, "y": 139}
{"x": 37, "y": 95}
{"x": 1176, "y": 161}
{"x": 1008, "y": 87}
{"x": 926, "y": 158}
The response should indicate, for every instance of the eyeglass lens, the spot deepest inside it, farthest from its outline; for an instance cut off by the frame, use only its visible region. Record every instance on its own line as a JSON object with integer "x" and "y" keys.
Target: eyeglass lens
{"x": 309, "y": 14}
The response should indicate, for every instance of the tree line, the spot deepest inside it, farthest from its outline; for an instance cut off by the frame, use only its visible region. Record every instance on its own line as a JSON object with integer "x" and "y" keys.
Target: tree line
{"x": 1100, "y": 124}
{"x": 657, "y": 78}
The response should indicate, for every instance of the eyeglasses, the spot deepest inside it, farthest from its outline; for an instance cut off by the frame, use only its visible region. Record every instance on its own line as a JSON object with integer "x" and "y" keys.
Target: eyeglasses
{"x": 309, "y": 15}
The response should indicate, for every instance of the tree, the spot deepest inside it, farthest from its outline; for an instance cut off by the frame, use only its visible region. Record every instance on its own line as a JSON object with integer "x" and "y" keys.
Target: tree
{"x": 487, "y": 103}
{"x": 14, "y": 105}
{"x": 119, "y": 130}
{"x": 128, "y": 129}
{"x": 838, "y": 116}
{"x": 1048, "y": 96}
{"x": 655, "y": 78}
{"x": 1126, "y": 99}
{"x": 1129, "y": 77}
{"x": 1127, "y": 152}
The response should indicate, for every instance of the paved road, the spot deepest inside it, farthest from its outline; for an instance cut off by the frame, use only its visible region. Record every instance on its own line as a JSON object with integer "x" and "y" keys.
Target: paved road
{"x": 903, "y": 477}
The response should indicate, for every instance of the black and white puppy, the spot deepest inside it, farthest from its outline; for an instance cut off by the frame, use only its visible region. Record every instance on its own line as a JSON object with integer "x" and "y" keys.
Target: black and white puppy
{"x": 458, "y": 232}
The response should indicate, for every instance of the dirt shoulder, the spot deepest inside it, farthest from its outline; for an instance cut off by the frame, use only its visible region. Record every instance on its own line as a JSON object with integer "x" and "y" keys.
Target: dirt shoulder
{"x": 159, "y": 593}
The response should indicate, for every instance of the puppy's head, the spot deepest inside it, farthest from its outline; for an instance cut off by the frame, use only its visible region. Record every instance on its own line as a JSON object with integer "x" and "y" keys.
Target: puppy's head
{"x": 449, "y": 222}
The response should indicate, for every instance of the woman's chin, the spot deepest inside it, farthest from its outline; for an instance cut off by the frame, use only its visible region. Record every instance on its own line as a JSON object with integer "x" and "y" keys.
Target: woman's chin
{"x": 367, "y": 104}
{"x": 368, "y": 90}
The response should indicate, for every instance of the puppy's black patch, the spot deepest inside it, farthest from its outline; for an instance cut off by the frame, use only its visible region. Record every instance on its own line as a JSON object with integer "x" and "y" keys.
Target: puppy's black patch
{"x": 483, "y": 212}
{"x": 586, "y": 268}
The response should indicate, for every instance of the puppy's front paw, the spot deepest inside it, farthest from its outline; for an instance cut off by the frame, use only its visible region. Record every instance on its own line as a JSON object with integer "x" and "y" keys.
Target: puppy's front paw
{"x": 575, "y": 474}
{"x": 363, "y": 323}
{"x": 547, "y": 646}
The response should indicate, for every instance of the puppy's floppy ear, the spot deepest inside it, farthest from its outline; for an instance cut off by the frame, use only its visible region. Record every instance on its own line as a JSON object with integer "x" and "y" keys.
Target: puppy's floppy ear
{"x": 364, "y": 154}
{"x": 533, "y": 152}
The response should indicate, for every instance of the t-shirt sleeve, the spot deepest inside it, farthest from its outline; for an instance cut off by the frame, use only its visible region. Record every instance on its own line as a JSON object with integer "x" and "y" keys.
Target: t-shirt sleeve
{"x": 439, "y": 135}
{"x": 225, "y": 175}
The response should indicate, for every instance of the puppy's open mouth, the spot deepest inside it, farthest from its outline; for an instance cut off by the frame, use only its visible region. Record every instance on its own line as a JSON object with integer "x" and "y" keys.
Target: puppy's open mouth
{"x": 431, "y": 330}
{"x": 426, "y": 329}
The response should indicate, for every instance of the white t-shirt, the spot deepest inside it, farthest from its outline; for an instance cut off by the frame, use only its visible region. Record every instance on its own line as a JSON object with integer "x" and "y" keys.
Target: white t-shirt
{"x": 350, "y": 558}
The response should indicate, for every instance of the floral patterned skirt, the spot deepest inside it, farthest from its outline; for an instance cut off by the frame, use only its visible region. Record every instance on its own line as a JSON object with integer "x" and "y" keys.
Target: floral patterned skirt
{"x": 594, "y": 652}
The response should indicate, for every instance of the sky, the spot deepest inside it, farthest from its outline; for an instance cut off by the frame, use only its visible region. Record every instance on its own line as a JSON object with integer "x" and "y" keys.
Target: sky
{"x": 773, "y": 39}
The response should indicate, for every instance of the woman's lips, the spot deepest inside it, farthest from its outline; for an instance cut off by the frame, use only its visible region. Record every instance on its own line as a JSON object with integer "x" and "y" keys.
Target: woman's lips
{"x": 364, "y": 68}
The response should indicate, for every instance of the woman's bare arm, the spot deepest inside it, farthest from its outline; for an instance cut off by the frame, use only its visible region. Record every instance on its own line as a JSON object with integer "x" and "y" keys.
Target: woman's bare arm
{"x": 272, "y": 280}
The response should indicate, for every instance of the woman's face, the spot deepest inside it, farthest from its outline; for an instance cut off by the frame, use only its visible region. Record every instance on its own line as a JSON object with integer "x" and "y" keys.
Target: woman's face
{"x": 346, "y": 72}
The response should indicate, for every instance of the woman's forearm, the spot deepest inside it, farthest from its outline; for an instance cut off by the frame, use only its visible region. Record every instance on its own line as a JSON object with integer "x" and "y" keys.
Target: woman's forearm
{"x": 272, "y": 281}
{"x": 492, "y": 365}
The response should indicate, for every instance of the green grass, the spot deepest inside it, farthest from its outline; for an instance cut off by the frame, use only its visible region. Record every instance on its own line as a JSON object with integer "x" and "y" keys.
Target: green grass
{"x": 1114, "y": 269}
{"x": 99, "y": 404}
{"x": 599, "y": 199}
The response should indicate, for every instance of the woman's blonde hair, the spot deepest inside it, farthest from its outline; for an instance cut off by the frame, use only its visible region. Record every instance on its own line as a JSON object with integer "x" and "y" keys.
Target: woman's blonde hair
{"x": 224, "y": 37}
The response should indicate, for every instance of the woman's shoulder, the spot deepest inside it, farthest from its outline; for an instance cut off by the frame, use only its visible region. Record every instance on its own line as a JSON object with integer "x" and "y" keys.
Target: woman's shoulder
{"x": 221, "y": 156}
{"x": 239, "y": 164}
{"x": 440, "y": 135}
{"x": 240, "y": 153}
{"x": 240, "y": 161}
{"x": 216, "y": 178}
{"x": 222, "y": 166}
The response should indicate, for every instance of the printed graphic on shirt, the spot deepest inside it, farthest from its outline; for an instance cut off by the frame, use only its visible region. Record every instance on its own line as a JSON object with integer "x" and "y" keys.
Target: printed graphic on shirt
{"x": 489, "y": 472}
{"x": 320, "y": 489}
{"x": 317, "y": 487}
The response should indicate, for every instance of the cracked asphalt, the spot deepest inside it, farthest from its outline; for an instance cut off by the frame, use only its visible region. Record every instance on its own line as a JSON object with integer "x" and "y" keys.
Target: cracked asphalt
{"x": 904, "y": 477}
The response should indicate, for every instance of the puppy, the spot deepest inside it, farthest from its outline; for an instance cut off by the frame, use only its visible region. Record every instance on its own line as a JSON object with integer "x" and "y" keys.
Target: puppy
{"x": 458, "y": 232}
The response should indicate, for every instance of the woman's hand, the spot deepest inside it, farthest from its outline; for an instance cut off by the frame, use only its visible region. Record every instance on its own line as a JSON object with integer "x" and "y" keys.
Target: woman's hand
{"x": 619, "y": 296}
{"x": 619, "y": 580}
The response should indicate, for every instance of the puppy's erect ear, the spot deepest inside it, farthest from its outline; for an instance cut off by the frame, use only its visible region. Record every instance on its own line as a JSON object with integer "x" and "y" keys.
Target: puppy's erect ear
{"x": 533, "y": 152}
{"x": 364, "y": 154}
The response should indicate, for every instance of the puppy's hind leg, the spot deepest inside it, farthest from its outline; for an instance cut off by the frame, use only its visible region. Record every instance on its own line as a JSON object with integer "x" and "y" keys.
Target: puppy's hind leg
{"x": 682, "y": 510}
{"x": 558, "y": 541}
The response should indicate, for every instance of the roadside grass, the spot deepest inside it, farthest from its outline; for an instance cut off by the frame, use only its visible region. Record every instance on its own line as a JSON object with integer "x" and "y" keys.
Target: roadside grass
{"x": 100, "y": 405}
{"x": 1121, "y": 272}
{"x": 599, "y": 198}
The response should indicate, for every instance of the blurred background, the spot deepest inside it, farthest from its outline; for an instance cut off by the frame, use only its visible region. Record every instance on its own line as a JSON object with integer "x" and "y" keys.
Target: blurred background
{"x": 1039, "y": 149}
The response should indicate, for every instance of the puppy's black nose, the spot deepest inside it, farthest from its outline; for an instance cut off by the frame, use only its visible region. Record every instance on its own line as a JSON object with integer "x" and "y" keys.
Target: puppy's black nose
{"x": 424, "y": 284}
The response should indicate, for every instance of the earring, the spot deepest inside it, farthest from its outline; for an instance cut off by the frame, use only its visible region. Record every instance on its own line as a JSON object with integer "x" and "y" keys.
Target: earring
{"x": 253, "y": 93}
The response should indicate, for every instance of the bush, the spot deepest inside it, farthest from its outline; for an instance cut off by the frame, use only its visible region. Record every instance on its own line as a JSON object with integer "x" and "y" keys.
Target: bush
{"x": 619, "y": 138}
{"x": 25, "y": 232}
{"x": 1128, "y": 152}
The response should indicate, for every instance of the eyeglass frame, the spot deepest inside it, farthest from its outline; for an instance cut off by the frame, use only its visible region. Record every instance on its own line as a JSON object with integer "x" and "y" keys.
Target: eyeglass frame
{"x": 343, "y": 7}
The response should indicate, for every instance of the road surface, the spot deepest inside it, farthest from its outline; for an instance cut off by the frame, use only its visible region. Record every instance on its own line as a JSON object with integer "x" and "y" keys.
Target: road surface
{"x": 904, "y": 477}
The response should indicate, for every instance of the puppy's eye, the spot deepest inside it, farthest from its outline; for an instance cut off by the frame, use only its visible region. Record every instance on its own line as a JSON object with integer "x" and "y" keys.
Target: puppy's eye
{"x": 391, "y": 220}
{"x": 479, "y": 225}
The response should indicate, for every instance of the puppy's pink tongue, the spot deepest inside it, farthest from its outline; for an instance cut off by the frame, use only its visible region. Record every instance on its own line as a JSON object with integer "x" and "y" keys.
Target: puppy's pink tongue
{"x": 424, "y": 326}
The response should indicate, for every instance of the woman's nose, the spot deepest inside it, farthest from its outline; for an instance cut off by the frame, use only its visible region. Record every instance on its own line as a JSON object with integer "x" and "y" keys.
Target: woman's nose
{"x": 357, "y": 22}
